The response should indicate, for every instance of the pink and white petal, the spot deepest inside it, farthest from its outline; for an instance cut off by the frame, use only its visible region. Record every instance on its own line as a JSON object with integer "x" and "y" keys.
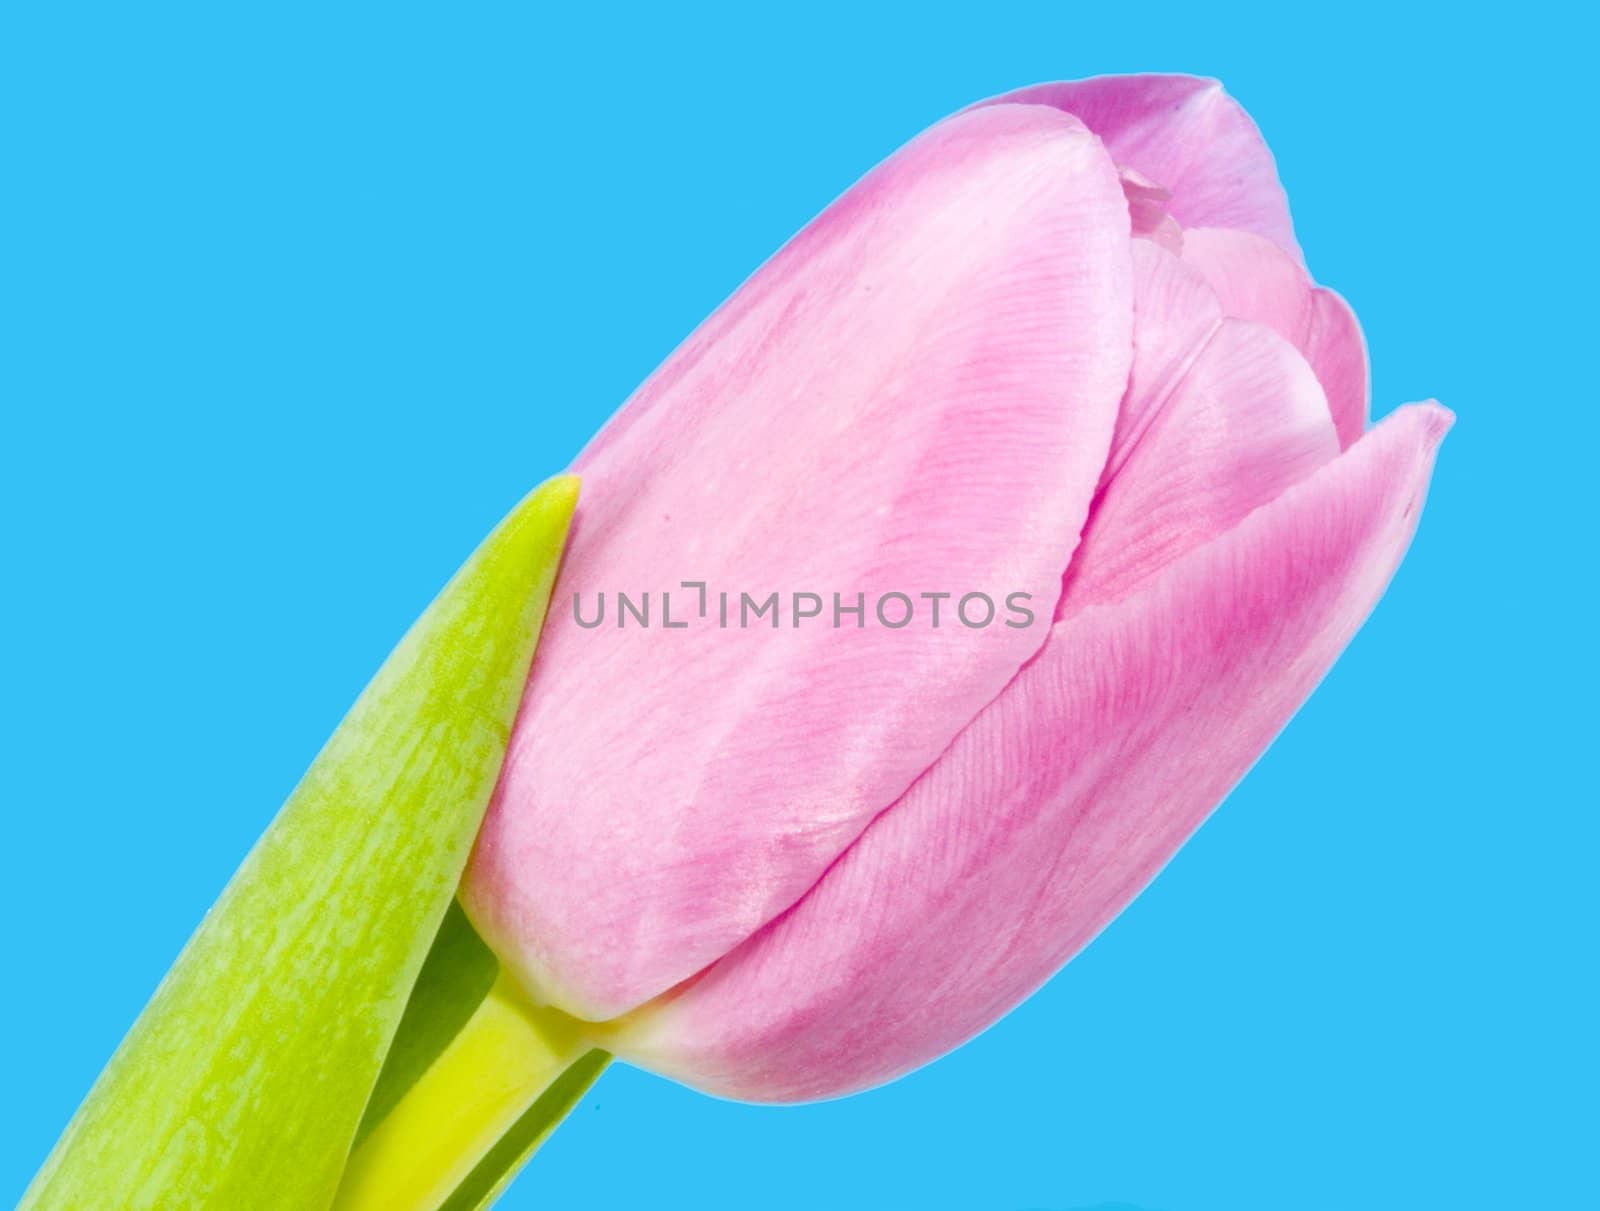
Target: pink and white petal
{"x": 1220, "y": 416}
{"x": 921, "y": 385}
{"x": 1256, "y": 280}
{"x": 1337, "y": 351}
{"x": 1186, "y": 134}
{"x": 1175, "y": 312}
{"x": 1245, "y": 422}
{"x": 1147, "y": 210}
{"x": 1057, "y": 805}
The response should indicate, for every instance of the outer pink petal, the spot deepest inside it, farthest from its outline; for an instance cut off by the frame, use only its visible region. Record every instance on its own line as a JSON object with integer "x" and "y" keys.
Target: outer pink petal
{"x": 1256, "y": 280}
{"x": 916, "y": 394}
{"x": 1186, "y": 134}
{"x": 1058, "y": 804}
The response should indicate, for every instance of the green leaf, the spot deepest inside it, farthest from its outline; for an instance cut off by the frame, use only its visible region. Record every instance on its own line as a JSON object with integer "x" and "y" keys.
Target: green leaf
{"x": 244, "y": 1080}
{"x": 455, "y": 978}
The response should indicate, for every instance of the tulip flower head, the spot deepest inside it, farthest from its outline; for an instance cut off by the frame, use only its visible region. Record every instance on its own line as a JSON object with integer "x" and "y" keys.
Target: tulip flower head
{"x": 789, "y": 809}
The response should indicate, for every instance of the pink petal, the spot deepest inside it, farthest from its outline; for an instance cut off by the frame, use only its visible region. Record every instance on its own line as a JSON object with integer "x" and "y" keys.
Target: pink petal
{"x": 1256, "y": 280}
{"x": 916, "y": 394}
{"x": 1246, "y": 421}
{"x": 1147, "y": 209}
{"x": 1337, "y": 351}
{"x": 1186, "y": 134}
{"x": 1219, "y": 418}
{"x": 1175, "y": 313}
{"x": 1058, "y": 804}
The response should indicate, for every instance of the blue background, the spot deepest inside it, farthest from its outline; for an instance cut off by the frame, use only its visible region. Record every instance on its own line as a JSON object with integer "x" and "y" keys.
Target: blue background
{"x": 297, "y": 302}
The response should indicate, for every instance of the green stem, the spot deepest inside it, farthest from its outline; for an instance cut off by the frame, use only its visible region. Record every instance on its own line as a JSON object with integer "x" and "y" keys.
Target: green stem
{"x": 458, "y": 1134}
{"x": 495, "y": 1171}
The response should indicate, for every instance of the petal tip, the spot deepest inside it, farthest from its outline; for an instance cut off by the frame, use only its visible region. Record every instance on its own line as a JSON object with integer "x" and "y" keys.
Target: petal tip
{"x": 1437, "y": 419}
{"x": 1428, "y": 419}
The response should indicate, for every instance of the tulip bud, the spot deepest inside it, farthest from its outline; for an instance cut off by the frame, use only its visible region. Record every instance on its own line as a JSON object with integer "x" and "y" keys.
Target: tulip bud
{"x": 1060, "y": 353}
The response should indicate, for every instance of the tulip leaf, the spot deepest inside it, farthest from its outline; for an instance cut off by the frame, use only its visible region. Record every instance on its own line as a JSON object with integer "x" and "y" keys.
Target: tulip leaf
{"x": 455, "y": 978}
{"x": 244, "y": 1080}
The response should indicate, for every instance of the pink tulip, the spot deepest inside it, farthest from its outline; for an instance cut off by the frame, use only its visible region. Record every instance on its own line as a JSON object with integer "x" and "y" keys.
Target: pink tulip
{"x": 1063, "y": 345}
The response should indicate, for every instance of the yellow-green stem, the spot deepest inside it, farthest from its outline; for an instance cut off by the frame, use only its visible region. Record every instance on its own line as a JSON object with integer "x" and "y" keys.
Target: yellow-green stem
{"x": 470, "y": 1097}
